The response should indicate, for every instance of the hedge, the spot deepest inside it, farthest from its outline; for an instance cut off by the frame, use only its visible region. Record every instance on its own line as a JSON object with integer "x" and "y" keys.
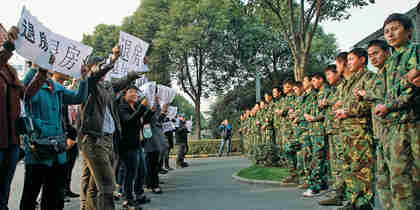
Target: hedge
{"x": 210, "y": 147}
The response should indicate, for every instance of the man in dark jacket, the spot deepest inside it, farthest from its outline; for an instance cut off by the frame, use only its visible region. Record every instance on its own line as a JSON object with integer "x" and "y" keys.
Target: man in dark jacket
{"x": 181, "y": 137}
{"x": 99, "y": 122}
{"x": 133, "y": 115}
{"x": 226, "y": 130}
{"x": 11, "y": 91}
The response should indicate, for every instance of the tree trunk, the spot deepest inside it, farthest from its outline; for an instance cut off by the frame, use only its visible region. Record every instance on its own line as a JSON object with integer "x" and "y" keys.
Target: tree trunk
{"x": 197, "y": 119}
{"x": 299, "y": 68}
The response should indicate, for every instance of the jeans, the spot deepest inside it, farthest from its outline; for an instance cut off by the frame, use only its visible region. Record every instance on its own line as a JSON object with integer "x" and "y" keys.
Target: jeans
{"x": 134, "y": 163}
{"x": 8, "y": 160}
{"x": 229, "y": 142}
{"x": 50, "y": 179}
{"x": 98, "y": 154}
{"x": 84, "y": 184}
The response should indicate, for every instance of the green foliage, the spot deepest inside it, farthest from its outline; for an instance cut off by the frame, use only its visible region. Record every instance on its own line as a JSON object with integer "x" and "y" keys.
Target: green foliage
{"x": 264, "y": 173}
{"x": 184, "y": 106}
{"x": 103, "y": 39}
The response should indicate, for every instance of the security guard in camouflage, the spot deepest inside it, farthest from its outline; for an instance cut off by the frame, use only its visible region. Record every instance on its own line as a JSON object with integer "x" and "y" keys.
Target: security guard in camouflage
{"x": 304, "y": 156}
{"x": 399, "y": 147}
{"x": 378, "y": 52}
{"x": 318, "y": 179}
{"x": 357, "y": 136}
{"x": 287, "y": 130}
{"x": 332, "y": 131}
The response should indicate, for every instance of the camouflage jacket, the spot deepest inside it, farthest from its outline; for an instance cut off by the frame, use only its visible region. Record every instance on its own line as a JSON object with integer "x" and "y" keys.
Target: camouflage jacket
{"x": 358, "y": 111}
{"x": 393, "y": 89}
{"x": 318, "y": 127}
{"x": 331, "y": 124}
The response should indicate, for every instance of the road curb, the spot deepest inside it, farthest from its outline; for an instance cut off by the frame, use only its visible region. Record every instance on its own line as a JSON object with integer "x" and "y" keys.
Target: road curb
{"x": 234, "y": 154}
{"x": 255, "y": 181}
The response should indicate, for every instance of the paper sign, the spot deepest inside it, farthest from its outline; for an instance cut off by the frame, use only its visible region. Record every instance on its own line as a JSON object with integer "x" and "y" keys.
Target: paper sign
{"x": 149, "y": 91}
{"x": 133, "y": 51}
{"x": 168, "y": 126}
{"x": 189, "y": 125}
{"x": 37, "y": 43}
{"x": 141, "y": 81}
{"x": 172, "y": 111}
{"x": 166, "y": 94}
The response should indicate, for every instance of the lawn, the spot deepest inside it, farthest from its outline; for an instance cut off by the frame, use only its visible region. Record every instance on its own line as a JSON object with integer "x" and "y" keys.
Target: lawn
{"x": 264, "y": 173}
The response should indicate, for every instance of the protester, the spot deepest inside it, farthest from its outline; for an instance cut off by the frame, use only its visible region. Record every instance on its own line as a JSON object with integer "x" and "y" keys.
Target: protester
{"x": 152, "y": 146}
{"x": 44, "y": 169}
{"x": 99, "y": 123}
{"x": 181, "y": 141}
{"x": 133, "y": 116}
{"x": 71, "y": 134}
{"x": 226, "y": 133}
{"x": 10, "y": 110}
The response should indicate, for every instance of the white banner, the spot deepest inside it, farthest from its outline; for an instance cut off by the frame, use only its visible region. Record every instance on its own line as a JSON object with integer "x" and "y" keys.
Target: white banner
{"x": 133, "y": 51}
{"x": 189, "y": 125}
{"x": 149, "y": 91}
{"x": 37, "y": 44}
{"x": 168, "y": 126}
{"x": 172, "y": 111}
{"x": 141, "y": 81}
{"x": 166, "y": 94}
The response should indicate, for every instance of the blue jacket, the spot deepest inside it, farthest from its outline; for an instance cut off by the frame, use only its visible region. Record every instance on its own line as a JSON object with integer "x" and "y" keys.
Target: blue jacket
{"x": 46, "y": 113}
{"x": 226, "y": 131}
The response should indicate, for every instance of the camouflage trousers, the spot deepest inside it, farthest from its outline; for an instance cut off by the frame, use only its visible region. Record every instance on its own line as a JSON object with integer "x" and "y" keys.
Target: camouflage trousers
{"x": 336, "y": 151}
{"x": 358, "y": 164}
{"x": 318, "y": 179}
{"x": 304, "y": 158}
{"x": 291, "y": 149}
{"x": 398, "y": 175}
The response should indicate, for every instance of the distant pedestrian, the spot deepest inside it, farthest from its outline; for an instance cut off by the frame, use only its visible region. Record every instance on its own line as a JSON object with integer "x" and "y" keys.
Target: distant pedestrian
{"x": 226, "y": 133}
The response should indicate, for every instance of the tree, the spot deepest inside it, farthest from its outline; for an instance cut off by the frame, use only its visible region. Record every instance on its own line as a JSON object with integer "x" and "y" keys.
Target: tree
{"x": 299, "y": 22}
{"x": 145, "y": 23}
{"x": 189, "y": 34}
{"x": 103, "y": 39}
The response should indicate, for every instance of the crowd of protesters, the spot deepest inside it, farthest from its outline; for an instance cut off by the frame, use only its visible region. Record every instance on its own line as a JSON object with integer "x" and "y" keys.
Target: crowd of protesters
{"x": 349, "y": 129}
{"x": 46, "y": 120}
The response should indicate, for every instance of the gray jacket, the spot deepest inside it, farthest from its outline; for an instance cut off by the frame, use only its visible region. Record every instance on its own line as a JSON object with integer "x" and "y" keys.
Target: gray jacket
{"x": 156, "y": 143}
{"x": 100, "y": 95}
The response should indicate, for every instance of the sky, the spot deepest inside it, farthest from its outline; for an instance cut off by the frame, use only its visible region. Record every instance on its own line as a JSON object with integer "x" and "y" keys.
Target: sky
{"x": 74, "y": 18}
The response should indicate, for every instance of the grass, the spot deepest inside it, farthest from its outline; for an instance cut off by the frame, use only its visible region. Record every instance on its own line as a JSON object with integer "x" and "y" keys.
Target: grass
{"x": 264, "y": 173}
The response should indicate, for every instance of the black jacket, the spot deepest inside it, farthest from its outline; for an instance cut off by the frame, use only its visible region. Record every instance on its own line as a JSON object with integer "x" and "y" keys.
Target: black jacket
{"x": 132, "y": 121}
{"x": 181, "y": 133}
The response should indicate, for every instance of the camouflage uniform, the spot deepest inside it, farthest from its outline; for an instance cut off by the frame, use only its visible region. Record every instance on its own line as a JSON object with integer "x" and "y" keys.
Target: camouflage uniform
{"x": 318, "y": 179}
{"x": 288, "y": 134}
{"x": 334, "y": 141}
{"x": 398, "y": 179}
{"x": 269, "y": 123}
{"x": 278, "y": 123}
{"x": 358, "y": 143}
{"x": 304, "y": 155}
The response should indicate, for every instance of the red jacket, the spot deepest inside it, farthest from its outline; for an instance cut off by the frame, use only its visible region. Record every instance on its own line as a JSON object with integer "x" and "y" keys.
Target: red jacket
{"x": 11, "y": 91}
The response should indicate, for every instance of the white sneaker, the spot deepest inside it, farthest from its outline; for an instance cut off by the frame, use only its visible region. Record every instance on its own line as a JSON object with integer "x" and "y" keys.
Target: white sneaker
{"x": 308, "y": 193}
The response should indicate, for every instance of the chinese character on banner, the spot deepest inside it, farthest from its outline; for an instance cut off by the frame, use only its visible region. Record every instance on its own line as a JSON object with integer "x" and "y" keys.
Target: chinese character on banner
{"x": 43, "y": 41}
{"x": 28, "y": 31}
{"x": 71, "y": 57}
{"x": 54, "y": 46}
{"x": 133, "y": 51}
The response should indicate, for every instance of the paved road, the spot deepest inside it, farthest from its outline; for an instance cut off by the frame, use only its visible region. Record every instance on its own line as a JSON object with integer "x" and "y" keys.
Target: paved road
{"x": 206, "y": 185}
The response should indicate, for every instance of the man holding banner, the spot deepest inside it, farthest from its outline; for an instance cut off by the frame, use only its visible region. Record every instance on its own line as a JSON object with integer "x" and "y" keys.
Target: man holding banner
{"x": 99, "y": 123}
